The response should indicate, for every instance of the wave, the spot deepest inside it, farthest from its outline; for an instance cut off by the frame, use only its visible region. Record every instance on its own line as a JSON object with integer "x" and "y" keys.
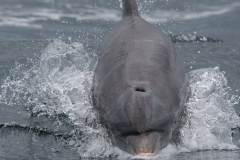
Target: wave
{"x": 17, "y": 16}
{"x": 192, "y": 38}
{"x": 160, "y": 16}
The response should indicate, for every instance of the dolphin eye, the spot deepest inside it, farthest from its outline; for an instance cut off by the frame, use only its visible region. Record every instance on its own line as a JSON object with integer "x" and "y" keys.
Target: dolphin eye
{"x": 140, "y": 89}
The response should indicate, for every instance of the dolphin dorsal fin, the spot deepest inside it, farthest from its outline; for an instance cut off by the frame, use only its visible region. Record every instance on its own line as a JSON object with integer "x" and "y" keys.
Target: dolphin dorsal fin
{"x": 130, "y": 8}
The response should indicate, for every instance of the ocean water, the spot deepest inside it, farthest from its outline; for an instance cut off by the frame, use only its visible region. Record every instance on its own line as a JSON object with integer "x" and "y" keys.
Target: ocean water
{"x": 48, "y": 54}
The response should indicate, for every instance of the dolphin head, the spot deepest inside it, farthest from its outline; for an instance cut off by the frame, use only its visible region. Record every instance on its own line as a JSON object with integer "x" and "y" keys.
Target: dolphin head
{"x": 142, "y": 123}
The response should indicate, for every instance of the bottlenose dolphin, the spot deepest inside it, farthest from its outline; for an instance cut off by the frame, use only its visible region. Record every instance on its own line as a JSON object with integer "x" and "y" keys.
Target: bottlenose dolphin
{"x": 139, "y": 85}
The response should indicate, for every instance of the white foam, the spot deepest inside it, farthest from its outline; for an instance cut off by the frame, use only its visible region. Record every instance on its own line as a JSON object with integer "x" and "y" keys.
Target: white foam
{"x": 121, "y": 4}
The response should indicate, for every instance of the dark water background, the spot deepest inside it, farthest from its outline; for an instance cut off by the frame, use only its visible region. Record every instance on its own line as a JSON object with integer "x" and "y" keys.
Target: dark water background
{"x": 47, "y": 54}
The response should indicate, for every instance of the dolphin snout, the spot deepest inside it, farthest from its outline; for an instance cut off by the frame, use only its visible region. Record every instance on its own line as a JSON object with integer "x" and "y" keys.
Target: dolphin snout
{"x": 146, "y": 144}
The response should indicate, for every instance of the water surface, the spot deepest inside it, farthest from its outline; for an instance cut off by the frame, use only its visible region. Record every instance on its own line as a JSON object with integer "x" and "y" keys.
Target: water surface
{"x": 47, "y": 56}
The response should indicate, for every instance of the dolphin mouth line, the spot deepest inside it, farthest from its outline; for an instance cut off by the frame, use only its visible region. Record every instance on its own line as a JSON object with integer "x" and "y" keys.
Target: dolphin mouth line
{"x": 146, "y": 154}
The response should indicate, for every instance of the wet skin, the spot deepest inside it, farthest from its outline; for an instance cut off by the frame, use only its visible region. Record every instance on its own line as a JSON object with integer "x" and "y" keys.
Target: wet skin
{"x": 139, "y": 87}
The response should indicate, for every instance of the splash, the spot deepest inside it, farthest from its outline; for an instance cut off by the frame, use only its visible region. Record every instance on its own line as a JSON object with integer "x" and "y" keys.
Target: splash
{"x": 59, "y": 83}
{"x": 211, "y": 115}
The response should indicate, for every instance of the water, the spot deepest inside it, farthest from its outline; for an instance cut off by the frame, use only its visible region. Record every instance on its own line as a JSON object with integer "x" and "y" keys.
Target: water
{"x": 47, "y": 57}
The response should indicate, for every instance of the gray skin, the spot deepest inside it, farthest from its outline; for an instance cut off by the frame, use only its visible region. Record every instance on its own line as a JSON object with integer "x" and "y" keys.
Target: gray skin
{"x": 139, "y": 87}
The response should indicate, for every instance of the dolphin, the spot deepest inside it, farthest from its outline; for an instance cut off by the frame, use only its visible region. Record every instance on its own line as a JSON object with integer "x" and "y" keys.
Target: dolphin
{"x": 140, "y": 87}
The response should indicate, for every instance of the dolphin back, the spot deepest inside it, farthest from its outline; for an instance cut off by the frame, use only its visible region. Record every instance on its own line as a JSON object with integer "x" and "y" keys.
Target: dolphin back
{"x": 130, "y": 8}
